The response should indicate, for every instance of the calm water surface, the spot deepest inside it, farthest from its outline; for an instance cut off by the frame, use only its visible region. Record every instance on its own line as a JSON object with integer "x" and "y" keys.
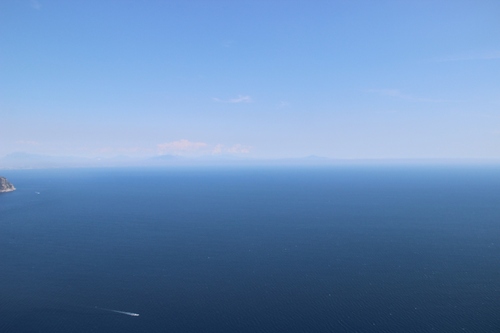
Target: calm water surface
{"x": 375, "y": 249}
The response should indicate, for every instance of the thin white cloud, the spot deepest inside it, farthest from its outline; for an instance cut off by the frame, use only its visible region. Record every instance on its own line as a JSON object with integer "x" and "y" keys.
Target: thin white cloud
{"x": 239, "y": 149}
{"x": 218, "y": 149}
{"x": 180, "y": 146}
{"x": 238, "y": 99}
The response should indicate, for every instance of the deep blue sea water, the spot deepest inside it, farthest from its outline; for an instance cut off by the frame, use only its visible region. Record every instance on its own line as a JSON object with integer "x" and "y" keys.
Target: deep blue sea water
{"x": 344, "y": 249}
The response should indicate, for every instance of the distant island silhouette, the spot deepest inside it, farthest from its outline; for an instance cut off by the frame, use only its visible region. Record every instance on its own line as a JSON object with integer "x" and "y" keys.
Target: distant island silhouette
{"x": 5, "y": 185}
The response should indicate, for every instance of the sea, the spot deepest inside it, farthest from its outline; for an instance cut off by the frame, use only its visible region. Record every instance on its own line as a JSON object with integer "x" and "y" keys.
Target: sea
{"x": 258, "y": 249}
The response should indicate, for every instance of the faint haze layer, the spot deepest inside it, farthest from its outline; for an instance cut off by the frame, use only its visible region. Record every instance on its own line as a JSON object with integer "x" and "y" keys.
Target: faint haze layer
{"x": 250, "y": 79}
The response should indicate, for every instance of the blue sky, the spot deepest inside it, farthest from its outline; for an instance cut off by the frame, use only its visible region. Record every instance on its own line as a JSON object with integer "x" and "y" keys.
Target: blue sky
{"x": 259, "y": 79}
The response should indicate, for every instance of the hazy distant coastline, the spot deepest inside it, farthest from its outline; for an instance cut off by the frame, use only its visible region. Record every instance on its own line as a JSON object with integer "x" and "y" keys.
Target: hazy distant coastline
{"x": 21, "y": 160}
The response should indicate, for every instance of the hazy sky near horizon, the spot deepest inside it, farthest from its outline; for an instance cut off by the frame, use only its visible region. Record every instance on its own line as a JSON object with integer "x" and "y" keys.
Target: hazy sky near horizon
{"x": 268, "y": 79}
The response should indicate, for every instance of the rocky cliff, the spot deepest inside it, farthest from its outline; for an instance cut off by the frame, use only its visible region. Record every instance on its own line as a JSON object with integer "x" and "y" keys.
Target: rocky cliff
{"x": 5, "y": 186}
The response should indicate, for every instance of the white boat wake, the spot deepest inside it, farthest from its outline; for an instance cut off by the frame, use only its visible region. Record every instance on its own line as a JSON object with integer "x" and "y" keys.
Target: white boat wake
{"x": 132, "y": 314}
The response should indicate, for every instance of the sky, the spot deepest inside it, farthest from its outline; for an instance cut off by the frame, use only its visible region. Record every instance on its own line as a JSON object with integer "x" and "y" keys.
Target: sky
{"x": 255, "y": 79}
